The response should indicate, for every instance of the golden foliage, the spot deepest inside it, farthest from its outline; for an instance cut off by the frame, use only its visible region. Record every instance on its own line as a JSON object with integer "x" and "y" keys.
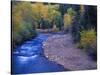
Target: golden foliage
{"x": 67, "y": 20}
{"x": 45, "y": 12}
{"x": 39, "y": 10}
{"x": 22, "y": 22}
{"x": 88, "y": 38}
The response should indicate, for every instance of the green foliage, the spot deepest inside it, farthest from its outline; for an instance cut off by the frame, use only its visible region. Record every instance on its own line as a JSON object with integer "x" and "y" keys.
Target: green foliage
{"x": 88, "y": 17}
{"x": 59, "y": 22}
{"x": 39, "y": 11}
{"x": 52, "y": 13}
{"x": 88, "y": 42}
{"x": 84, "y": 27}
{"x": 71, "y": 12}
{"x": 47, "y": 15}
{"x": 68, "y": 17}
{"x": 28, "y": 17}
{"x": 88, "y": 39}
{"x": 45, "y": 24}
{"x": 22, "y": 23}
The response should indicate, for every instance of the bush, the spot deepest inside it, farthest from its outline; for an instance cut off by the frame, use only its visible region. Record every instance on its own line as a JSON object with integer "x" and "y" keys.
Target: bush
{"x": 88, "y": 39}
{"x": 22, "y": 23}
{"x": 88, "y": 42}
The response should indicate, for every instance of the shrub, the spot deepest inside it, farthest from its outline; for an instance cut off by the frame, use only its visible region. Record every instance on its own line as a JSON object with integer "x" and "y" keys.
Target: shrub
{"x": 88, "y": 42}
{"x": 22, "y": 23}
{"x": 88, "y": 38}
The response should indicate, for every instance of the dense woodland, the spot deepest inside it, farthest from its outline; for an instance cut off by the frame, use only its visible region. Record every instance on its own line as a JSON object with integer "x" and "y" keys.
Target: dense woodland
{"x": 79, "y": 20}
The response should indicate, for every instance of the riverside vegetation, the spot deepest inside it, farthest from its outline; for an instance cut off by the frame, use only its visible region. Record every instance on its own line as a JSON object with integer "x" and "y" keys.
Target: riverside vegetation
{"x": 30, "y": 18}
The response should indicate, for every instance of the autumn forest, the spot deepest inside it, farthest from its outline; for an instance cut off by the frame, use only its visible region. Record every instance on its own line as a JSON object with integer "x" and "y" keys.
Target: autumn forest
{"x": 61, "y": 29}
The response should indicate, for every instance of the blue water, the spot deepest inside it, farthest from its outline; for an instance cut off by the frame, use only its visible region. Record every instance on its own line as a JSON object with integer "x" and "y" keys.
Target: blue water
{"x": 29, "y": 58}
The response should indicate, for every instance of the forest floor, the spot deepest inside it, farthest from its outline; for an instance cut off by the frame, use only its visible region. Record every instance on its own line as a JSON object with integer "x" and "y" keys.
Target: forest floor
{"x": 61, "y": 49}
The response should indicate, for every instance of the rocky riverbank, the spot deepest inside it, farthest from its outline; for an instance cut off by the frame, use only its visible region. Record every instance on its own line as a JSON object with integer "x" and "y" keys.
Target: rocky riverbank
{"x": 61, "y": 49}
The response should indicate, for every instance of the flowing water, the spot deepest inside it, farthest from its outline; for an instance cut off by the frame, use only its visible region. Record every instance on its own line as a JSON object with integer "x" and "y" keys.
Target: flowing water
{"x": 29, "y": 58}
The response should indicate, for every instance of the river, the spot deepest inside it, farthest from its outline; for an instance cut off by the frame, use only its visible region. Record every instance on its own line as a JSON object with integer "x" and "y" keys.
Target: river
{"x": 30, "y": 58}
